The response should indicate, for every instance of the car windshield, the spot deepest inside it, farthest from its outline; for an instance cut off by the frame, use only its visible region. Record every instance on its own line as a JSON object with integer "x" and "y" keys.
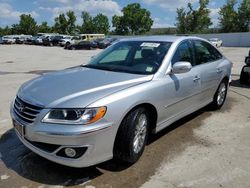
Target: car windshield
{"x": 135, "y": 57}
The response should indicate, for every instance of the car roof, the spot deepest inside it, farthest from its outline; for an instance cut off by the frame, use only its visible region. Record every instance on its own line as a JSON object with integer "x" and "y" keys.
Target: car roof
{"x": 162, "y": 38}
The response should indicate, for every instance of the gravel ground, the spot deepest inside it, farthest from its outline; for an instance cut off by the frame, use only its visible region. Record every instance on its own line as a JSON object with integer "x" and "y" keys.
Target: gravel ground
{"x": 205, "y": 149}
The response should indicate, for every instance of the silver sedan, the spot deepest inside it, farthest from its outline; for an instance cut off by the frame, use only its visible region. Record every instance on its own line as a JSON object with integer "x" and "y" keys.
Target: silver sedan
{"x": 107, "y": 108}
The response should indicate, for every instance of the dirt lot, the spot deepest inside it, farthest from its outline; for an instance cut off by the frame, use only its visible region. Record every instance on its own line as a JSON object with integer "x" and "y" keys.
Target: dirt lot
{"x": 205, "y": 149}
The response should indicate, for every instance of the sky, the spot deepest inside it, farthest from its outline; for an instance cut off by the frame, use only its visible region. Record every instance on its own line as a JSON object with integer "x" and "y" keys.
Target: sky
{"x": 163, "y": 12}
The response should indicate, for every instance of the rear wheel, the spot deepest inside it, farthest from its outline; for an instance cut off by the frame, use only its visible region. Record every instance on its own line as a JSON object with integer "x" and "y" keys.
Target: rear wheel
{"x": 220, "y": 95}
{"x": 132, "y": 136}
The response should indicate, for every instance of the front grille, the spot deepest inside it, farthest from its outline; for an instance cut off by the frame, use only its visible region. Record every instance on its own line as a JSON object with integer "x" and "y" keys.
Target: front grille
{"x": 25, "y": 111}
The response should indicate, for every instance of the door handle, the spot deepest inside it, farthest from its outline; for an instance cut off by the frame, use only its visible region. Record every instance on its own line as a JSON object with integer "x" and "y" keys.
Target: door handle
{"x": 196, "y": 78}
{"x": 219, "y": 71}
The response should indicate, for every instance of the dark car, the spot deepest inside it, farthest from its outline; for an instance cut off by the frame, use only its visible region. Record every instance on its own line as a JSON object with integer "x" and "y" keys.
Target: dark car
{"x": 106, "y": 42}
{"x": 52, "y": 41}
{"x": 47, "y": 41}
{"x": 245, "y": 71}
{"x": 83, "y": 45}
{"x": 1, "y": 41}
{"x": 99, "y": 40}
{"x": 22, "y": 39}
{"x": 31, "y": 40}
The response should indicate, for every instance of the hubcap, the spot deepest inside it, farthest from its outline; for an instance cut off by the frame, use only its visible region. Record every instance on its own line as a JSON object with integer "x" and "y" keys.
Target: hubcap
{"x": 140, "y": 133}
{"x": 221, "y": 93}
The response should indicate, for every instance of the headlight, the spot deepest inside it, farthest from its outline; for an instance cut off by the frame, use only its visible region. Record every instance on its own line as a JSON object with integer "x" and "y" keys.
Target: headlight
{"x": 75, "y": 116}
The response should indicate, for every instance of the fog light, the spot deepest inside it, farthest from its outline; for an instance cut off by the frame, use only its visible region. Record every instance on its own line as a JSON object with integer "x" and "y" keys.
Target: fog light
{"x": 70, "y": 152}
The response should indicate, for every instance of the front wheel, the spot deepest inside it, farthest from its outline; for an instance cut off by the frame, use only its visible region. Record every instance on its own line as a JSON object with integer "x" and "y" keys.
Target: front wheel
{"x": 220, "y": 95}
{"x": 132, "y": 136}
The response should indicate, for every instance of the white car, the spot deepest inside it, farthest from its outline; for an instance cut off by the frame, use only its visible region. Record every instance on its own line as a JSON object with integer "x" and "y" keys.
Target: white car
{"x": 106, "y": 109}
{"x": 216, "y": 42}
{"x": 64, "y": 40}
{"x": 8, "y": 40}
{"x": 68, "y": 40}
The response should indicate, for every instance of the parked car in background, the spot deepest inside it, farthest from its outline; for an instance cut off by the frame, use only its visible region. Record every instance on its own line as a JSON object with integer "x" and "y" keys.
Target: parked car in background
{"x": 8, "y": 39}
{"x": 31, "y": 40}
{"x": 53, "y": 40}
{"x": 106, "y": 42}
{"x": 1, "y": 41}
{"x": 67, "y": 40}
{"x": 107, "y": 108}
{"x": 83, "y": 45}
{"x": 39, "y": 40}
{"x": 22, "y": 39}
{"x": 91, "y": 36}
{"x": 216, "y": 42}
{"x": 245, "y": 71}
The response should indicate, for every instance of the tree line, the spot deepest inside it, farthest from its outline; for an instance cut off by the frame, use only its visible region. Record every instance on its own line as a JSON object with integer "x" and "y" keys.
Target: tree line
{"x": 231, "y": 18}
{"x": 136, "y": 20}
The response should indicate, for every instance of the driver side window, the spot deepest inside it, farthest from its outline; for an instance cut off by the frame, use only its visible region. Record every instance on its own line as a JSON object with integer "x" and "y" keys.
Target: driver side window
{"x": 183, "y": 53}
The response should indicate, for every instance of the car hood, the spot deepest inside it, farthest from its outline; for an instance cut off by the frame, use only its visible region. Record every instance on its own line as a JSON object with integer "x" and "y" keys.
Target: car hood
{"x": 76, "y": 87}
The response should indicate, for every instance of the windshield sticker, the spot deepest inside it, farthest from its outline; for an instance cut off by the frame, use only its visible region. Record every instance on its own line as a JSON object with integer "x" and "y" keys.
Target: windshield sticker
{"x": 150, "y": 44}
{"x": 149, "y": 69}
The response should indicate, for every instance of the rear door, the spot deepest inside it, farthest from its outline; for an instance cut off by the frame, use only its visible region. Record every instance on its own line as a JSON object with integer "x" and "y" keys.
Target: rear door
{"x": 208, "y": 60}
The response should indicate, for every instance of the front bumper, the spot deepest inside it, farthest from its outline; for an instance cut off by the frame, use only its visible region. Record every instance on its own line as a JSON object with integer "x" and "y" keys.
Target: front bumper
{"x": 96, "y": 141}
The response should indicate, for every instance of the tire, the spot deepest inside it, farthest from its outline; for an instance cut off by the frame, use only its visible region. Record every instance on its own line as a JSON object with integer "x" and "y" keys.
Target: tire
{"x": 243, "y": 76}
{"x": 67, "y": 44}
{"x": 132, "y": 136}
{"x": 220, "y": 95}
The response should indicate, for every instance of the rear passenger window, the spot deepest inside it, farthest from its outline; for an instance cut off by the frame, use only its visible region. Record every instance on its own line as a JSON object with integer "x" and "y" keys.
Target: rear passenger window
{"x": 183, "y": 53}
{"x": 205, "y": 52}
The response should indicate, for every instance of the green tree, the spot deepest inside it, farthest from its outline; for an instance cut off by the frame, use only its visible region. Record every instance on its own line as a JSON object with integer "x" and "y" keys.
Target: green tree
{"x": 88, "y": 24}
{"x": 15, "y": 29}
{"x": 101, "y": 23}
{"x": 244, "y": 16}
{"x": 135, "y": 20}
{"x": 27, "y": 25}
{"x": 120, "y": 27}
{"x": 71, "y": 22}
{"x": 194, "y": 21}
{"x": 60, "y": 24}
{"x": 228, "y": 19}
{"x": 43, "y": 28}
{"x": 65, "y": 24}
{"x": 181, "y": 23}
{"x": 5, "y": 31}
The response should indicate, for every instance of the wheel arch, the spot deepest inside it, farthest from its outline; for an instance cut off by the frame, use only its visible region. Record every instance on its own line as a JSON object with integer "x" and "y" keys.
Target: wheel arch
{"x": 153, "y": 114}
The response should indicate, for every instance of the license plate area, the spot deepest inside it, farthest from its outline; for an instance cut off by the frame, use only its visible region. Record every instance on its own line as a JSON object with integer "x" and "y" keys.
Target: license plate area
{"x": 19, "y": 128}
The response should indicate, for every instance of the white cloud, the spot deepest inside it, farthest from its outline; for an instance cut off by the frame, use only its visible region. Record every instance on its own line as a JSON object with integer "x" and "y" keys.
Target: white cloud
{"x": 158, "y": 23}
{"x": 170, "y": 4}
{"x": 214, "y": 14}
{"x": 8, "y": 14}
{"x": 107, "y": 7}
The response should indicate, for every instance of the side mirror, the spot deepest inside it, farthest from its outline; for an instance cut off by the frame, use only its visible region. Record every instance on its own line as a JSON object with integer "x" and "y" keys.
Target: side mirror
{"x": 181, "y": 67}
